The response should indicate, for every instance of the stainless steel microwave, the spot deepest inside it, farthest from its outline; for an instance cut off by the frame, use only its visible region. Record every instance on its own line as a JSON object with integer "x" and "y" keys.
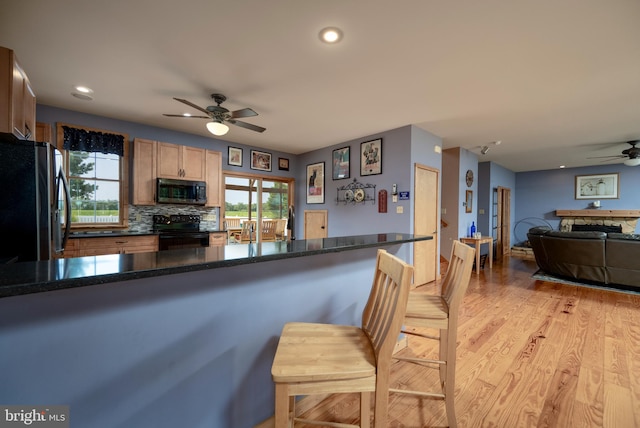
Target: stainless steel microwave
{"x": 181, "y": 192}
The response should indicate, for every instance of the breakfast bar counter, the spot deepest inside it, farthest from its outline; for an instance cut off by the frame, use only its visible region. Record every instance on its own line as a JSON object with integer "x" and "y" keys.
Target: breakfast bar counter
{"x": 174, "y": 338}
{"x": 36, "y": 277}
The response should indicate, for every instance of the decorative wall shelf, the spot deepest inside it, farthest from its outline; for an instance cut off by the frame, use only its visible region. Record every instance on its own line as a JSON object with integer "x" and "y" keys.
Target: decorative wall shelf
{"x": 356, "y": 193}
{"x": 598, "y": 213}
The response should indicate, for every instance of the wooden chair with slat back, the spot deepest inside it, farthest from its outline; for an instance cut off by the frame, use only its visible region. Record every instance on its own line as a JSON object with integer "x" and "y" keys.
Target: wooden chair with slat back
{"x": 268, "y": 233}
{"x": 248, "y": 233}
{"x": 326, "y": 358}
{"x": 441, "y": 312}
{"x": 281, "y": 226}
{"x": 231, "y": 224}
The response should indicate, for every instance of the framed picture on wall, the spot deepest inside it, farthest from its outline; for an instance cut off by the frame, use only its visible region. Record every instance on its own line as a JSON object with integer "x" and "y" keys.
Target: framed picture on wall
{"x": 597, "y": 186}
{"x": 260, "y": 160}
{"x": 283, "y": 164}
{"x": 371, "y": 157}
{"x": 341, "y": 165}
{"x": 235, "y": 156}
{"x": 315, "y": 183}
{"x": 468, "y": 202}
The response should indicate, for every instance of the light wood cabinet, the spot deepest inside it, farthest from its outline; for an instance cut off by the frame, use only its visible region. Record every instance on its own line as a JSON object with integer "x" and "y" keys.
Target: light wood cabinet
{"x": 214, "y": 179}
{"x": 17, "y": 98}
{"x": 217, "y": 239}
{"x": 80, "y": 247}
{"x": 155, "y": 159}
{"x": 144, "y": 172}
{"x": 181, "y": 162}
{"x": 44, "y": 133}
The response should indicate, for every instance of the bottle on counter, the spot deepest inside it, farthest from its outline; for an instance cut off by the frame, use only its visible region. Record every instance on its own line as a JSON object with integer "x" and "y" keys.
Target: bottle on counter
{"x": 473, "y": 229}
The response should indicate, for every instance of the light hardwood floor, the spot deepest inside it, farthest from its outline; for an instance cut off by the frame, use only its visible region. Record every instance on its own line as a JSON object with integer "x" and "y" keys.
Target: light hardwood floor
{"x": 530, "y": 354}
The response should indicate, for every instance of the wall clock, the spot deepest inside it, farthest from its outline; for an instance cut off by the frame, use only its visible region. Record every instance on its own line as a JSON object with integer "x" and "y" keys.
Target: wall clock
{"x": 469, "y": 178}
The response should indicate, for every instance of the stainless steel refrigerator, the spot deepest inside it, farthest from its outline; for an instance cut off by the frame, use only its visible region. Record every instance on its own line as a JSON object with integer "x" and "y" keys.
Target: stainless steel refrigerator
{"x": 34, "y": 201}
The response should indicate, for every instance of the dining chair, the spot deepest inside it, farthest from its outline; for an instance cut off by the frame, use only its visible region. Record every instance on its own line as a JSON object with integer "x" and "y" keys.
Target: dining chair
{"x": 281, "y": 226}
{"x": 232, "y": 224}
{"x": 248, "y": 232}
{"x": 440, "y": 311}
{"x": 316, "y": 358}
{"x": 268, "y": 233}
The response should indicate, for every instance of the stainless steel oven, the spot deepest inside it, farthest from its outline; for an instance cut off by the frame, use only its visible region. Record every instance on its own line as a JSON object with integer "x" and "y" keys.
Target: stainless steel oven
{"x": 179, "y": 231}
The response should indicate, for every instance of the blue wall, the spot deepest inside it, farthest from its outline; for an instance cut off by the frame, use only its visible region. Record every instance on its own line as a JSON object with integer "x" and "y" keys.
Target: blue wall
{"x": 540, "y": 193}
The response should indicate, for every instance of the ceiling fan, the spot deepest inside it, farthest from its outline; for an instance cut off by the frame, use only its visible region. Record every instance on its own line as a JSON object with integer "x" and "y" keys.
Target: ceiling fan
{"x": 631, "y": 154}
{"x": 219, "y": 115}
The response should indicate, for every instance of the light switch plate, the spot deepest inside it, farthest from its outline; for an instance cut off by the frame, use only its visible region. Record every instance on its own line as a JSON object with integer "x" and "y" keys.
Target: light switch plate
{"x": 399, "y": 209}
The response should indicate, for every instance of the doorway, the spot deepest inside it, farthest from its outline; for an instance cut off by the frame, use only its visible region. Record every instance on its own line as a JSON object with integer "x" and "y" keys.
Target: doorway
{"x": 502, "y": 223}
{"x": 425, "y": 222}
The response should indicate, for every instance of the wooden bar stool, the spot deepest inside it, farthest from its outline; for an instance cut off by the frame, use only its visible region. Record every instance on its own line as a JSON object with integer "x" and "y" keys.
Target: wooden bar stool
{"x": 441, "y": 312}
{"x": 326, "y": 358}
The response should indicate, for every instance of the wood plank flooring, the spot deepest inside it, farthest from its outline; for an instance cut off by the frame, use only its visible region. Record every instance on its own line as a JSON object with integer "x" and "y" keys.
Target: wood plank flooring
{"x": 530, "y": 354}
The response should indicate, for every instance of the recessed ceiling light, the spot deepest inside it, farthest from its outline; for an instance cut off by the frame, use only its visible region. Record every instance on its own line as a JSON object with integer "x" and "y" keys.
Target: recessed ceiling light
{"x": 84, "y": 89}
{"x": 330, "y": 35}
{"x": 562, "y": 166}
{"x": 186, "y": 114}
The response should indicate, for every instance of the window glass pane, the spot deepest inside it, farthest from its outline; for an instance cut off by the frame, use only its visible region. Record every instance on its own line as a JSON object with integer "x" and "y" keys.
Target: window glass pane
{"x": 94, "y": 165}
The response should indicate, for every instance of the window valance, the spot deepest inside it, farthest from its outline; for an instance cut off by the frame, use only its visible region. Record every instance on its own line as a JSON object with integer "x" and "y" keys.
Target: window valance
{"x": 92, "y": 141}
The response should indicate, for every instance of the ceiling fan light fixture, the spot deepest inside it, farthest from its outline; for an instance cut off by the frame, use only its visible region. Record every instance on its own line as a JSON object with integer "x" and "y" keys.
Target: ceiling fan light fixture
{"x": 217, "y": 128}
{"x": 632, "y": 162}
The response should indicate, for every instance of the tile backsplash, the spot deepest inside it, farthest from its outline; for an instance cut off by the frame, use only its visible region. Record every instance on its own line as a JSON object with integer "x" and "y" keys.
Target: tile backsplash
{"x": 141, "y": 216}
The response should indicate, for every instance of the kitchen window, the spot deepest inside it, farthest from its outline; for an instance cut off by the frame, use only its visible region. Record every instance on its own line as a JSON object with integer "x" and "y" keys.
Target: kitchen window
{"x": 95, "y": 164}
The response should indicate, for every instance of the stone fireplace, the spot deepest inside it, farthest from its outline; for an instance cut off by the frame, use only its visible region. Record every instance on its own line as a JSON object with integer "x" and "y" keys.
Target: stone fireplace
{"x": 627, "y": 219}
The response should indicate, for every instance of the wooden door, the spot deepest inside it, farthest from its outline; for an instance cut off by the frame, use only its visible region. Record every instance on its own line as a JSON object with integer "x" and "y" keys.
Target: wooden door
{"x": 503, "y": 235}
{"x": 315, "y": 224}
{"x": 425, "y": 222}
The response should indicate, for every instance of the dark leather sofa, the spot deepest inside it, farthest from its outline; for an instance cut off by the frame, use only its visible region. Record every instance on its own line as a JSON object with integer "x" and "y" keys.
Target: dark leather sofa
{"x": 596, "y": 257}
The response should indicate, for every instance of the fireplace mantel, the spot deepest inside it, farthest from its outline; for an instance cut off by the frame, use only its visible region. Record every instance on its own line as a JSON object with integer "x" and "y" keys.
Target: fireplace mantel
{"x": 628, "y": 219}
{"x": 599, "y": 213}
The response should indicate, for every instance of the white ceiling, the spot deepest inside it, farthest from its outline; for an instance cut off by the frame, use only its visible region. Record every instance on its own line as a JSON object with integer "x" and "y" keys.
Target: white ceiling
{"x": 556, "y": 81}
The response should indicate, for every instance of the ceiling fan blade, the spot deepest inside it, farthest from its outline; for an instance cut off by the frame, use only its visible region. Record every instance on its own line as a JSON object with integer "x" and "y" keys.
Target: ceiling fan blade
{"x": 247, "y": 125}
{"x": 190, "y": 104}
{"x": 182, "y": 115}
{"x": 610, "y": 157}
{"x": 245, "y": 112}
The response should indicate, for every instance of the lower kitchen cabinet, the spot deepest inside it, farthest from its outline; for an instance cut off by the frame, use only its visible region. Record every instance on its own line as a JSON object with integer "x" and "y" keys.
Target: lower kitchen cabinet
{"x": 80, "y": 247}
{"x": 217, "y": 239}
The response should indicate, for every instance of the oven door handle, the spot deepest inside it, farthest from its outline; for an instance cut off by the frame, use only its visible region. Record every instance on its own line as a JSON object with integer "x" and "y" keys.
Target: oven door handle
{"x": 183, "y": 235}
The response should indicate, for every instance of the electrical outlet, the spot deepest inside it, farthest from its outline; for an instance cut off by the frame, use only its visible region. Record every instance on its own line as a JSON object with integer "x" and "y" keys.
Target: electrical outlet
{"x": 138, "y": 217}
{"x": 394, "y": 198}
{"x": 399, "y": 209}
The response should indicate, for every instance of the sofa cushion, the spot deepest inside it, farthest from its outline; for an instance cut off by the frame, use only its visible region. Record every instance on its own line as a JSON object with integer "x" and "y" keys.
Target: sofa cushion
{"x": 623, "y": 259}
{"x": 578, "y": 255}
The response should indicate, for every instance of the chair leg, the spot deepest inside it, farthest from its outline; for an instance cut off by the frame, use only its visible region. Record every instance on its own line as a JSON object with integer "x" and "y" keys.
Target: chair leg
{"x": 283, "y": 404}
{"x": 381, "y": 409}
{"x": 365, "y": 409}
{"x": 443, "y": 349}
{"x": 449, "y": 371}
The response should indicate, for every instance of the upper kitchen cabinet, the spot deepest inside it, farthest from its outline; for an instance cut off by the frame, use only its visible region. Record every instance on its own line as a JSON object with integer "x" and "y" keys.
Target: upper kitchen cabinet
{"x": 214, "y": 179}
{"x": 17, "y": 99}
{"x": 181, "y": 162}
{"x": 144, "y": 172}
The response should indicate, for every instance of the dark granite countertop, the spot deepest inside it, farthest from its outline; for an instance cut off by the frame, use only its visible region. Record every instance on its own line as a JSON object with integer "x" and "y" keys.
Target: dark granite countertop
{"x": 109, "y": 233}
{"x": 37, "y": 277}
